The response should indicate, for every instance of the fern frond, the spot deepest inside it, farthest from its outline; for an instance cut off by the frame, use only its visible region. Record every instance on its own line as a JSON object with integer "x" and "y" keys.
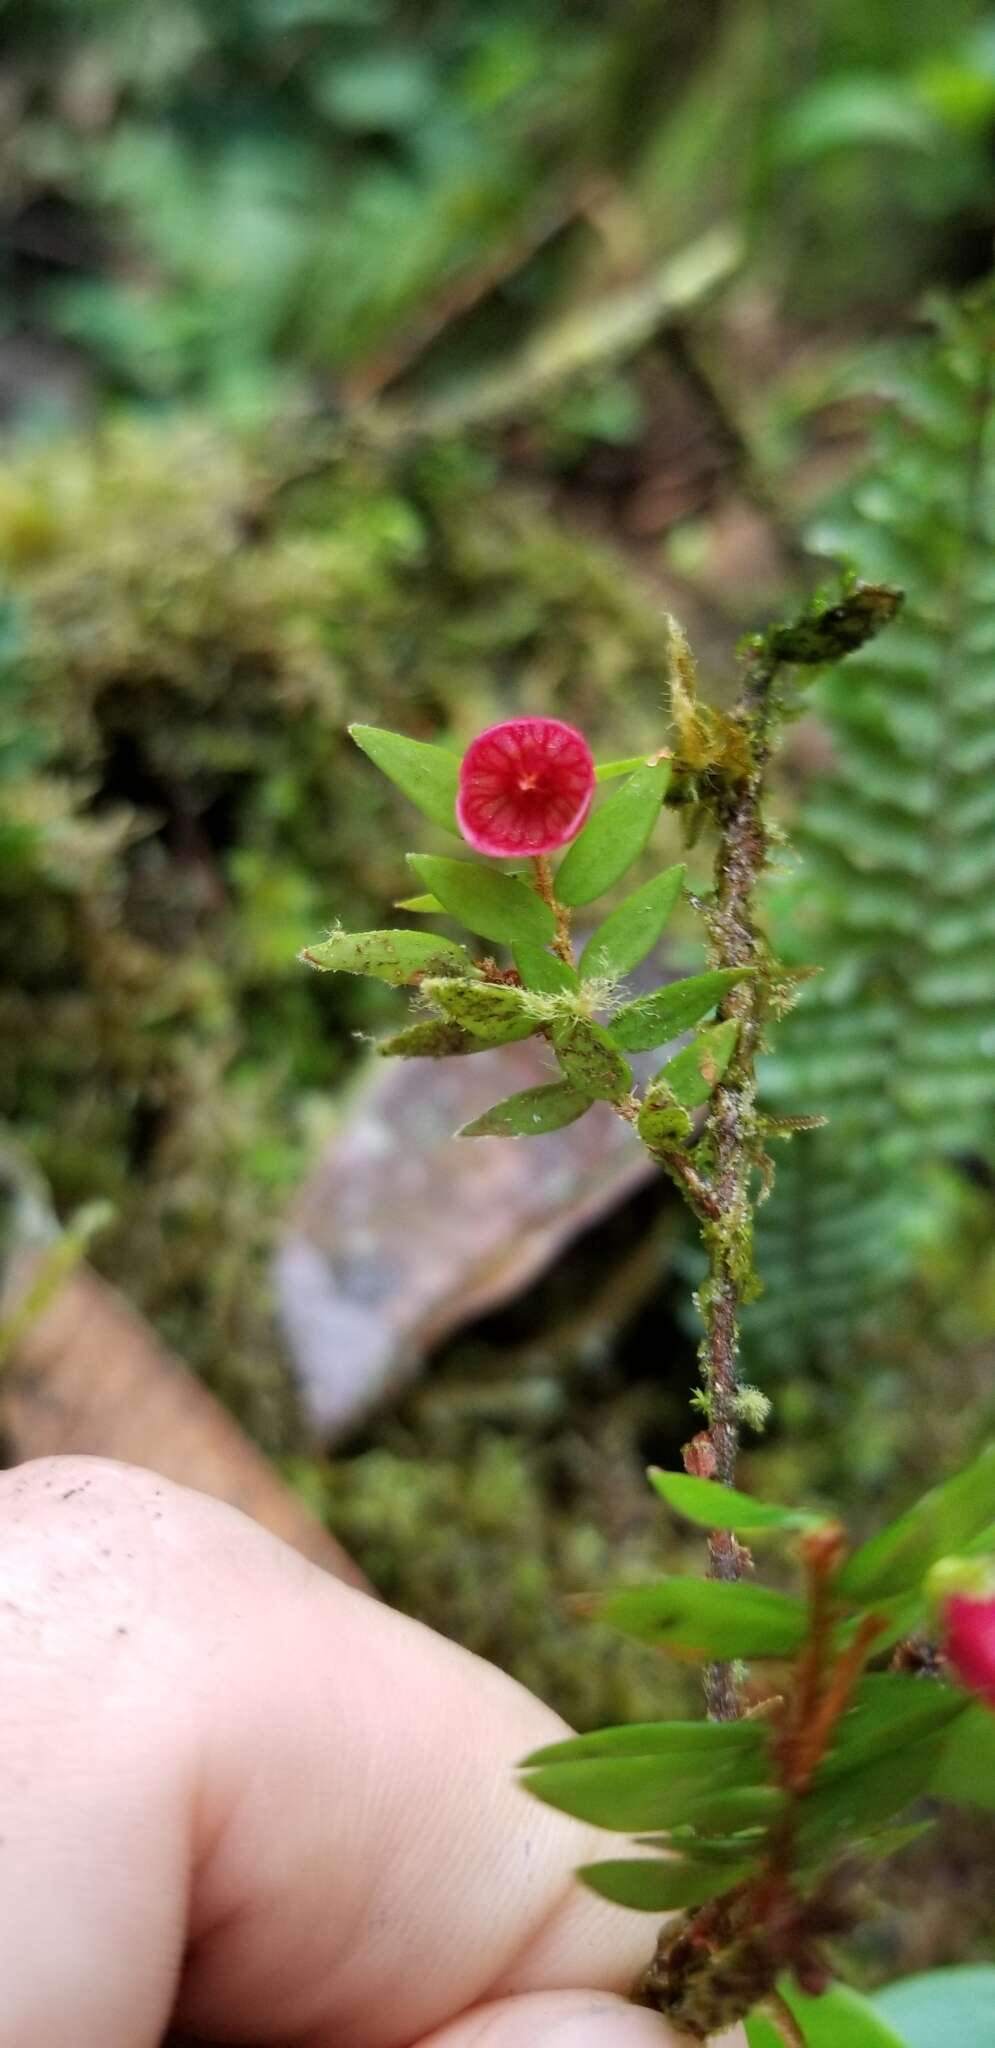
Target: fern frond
{"x": 895, "y": 1042}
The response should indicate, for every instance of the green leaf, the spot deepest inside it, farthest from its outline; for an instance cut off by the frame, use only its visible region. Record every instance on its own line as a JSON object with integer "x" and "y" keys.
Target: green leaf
{"x": 543, "y": 972}
{"x": 487, "y": 901}
{"x": 486, "y": 1009}
{"x": 614, "y": 837}
{"x": 631, "y": 1793}
{"x": 965, "y": 1768}
{"x": 663, "y": 1121}
{"x": 693, "y": 1073}
{"x": 396, "y": 957}
{"x": 889, "y": 1711}
{"x": 432, "y": 1039}
{"x": 608, "y": 771}
{"x": 714, "y": 1506}
{"x": 631, "y": 931}
{"x": 652, "y": 1020}
{"x": 839, "y": 2019}
{"x": 942, "y": 1522}
{"x": 844, "y": 1806}
{"x": 942, "y": 2008}
{"x": 426, "y": 906}
{"x": 428, "y": 776}
{"x": 661, "y": 1886}
{"x": 707, "y": 1618}
{"x": 673, "y": 1740}
{"x": 530, "y": 1114}
{"x": 591, "y": 1060}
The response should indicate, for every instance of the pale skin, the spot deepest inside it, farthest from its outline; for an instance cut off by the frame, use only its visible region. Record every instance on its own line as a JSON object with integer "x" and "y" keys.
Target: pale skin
{"x": 238, "y": 1797}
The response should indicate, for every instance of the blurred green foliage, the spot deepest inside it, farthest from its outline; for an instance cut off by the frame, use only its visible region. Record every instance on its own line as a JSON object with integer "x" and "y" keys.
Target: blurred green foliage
{"x": 208, "y": 197}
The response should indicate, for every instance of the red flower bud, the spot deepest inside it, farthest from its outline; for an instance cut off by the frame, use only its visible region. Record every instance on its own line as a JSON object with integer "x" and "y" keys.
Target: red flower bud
{"x": 970, "y": 1642}
{"x": 525, "y": 787}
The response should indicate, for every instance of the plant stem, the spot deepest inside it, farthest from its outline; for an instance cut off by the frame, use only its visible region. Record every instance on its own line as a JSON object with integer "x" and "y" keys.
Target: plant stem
{"x": 546, "y": 889}
{"x": 730, "y": 1139}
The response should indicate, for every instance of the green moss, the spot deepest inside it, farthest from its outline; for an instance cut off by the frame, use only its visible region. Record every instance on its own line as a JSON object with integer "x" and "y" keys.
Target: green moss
{"x": 192, "y": 640}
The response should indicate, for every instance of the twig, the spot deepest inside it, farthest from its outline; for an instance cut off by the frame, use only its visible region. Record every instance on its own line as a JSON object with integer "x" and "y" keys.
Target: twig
{"x": 731, "y": 1131}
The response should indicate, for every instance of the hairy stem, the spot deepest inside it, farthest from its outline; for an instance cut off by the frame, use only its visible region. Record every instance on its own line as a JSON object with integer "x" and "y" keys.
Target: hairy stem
{"x": 545, "y": 888}
{"x": 731, "y": 1132}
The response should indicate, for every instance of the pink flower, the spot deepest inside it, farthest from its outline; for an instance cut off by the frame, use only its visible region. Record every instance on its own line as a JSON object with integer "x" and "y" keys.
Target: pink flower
{"x": 525, "y": 787}
{"x": 970, "y": 1643}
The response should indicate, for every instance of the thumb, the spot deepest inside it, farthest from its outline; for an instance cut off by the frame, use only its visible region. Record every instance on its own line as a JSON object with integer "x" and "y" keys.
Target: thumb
{"x": 565, "y": 2019}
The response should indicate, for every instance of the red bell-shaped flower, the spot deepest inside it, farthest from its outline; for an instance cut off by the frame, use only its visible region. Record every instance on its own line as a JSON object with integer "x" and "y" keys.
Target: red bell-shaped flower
{"x": 525, "y": 787}
{"x": 970, "y": 1642}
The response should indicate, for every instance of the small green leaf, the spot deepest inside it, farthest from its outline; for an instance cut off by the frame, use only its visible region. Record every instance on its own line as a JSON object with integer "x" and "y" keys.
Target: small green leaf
{"x": 631, "y": 931}
{"x": 843, "y": 1806}
{"x": 941, "y": 1523}
{"x": 428, "y": 776}
{"x": 714, "y": 1506}
{"x": 396, "y": 957}
{"x": 614, "y": 837}
{"x": 707, "y": 1618}
{"x": 543, "y": 972}
{"x": 694, "y": 1072}
{"x": 426, "y": 906}
{"x": 591, "y": 1060}
{"x": 652, "y": 1020}
{"x": 891, "y": 1841}
{"x": 487, "y": 1009}
{"x": 661, "y": 1886}
{"x": 608, "y": 771}
{"x": 965, "y": 1768}
{"x": 675, "y": 1741}
{"x": 631, "y": 1793}
{"x": 952, "y": 2008}
{"x": 430, "y": 1039}
{"x": 840, "y": 2018}
{"x": 530, "y": 1114}
{"x": 889, "y": 1711}
{"x": 487, "y": 901}
{"x": 663, "y": 1121}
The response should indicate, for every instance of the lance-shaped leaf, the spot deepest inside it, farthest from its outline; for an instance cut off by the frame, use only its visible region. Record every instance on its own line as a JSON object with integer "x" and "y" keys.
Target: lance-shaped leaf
{"x": 496, "y": 905}
{"x": 428, "y": 776}
{"x": 425, "y": 906}
{"x": 844, "y": 1806}
{"x": 889, "y": 1711}
{"x": 486, "y": 1009}
{"x": 652, "y": 1020}
{"x": 663, "y": 1121}
{"x": 661, "y": 1885}
{"x": 432, "y": 1038}
{"x": 714, "y": 1506}
{"x": 632, "y": 1793}
{"x": 941, "y": 1523}
{"x": 591, "y": 1060}
{"x": 614, "y": 837}
{"x": 707, "y": 1618}
{"x": 530, "y": 1114}
{"x": 609, "y": 771}
{"x": 396, "y": 957}
{"x": 698, "y": 1068}
{"x": 631, "y": 931}
{"x": 674, "y": 1741}
{"x": 543, "y": 972}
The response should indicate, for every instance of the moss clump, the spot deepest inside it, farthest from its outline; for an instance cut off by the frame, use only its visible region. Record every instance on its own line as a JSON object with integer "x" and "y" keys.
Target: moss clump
{"x": 183, "y": 810}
